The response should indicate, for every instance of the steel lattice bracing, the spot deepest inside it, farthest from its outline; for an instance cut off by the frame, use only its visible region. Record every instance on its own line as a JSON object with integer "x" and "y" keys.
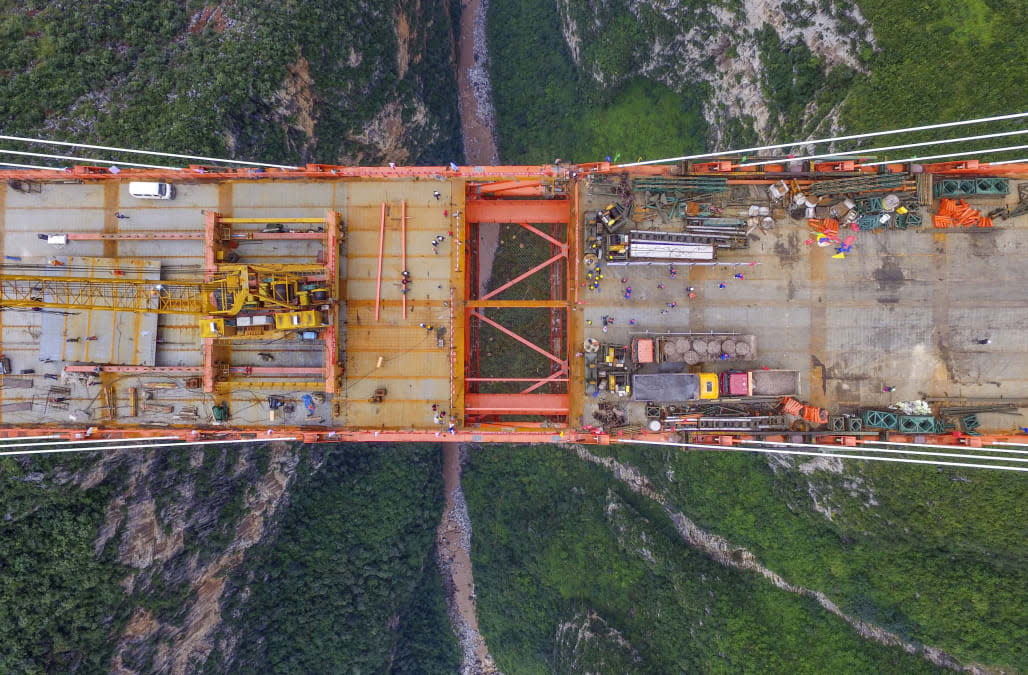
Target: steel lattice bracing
{"x": 122, "y": 295}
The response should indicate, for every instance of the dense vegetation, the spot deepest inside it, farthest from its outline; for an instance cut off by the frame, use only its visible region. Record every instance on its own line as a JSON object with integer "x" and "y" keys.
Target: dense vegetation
{"x": 60, "y": 602}
{"x": 349, "y": 584}
{"x": 547, "y": 109}
{"x": 938, "y": 557}
{"x": 190, "y": 77}
{"x": 941, "y": 60}
{"x": 577, "y": 574}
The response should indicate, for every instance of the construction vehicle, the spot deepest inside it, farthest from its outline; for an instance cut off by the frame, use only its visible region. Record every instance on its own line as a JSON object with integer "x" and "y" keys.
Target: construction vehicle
{"x": 693, "y": 348}
{"x": 615, "y": 356}
{"x": 220, "y": 412}
{"x": 608, "y": 216}
{"x": 664, "y": 387}
{"x": 743, "y": 383}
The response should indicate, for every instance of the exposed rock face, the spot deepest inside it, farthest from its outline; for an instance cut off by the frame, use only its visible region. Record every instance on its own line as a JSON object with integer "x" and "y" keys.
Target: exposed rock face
{"x": 387, "y": 133}
{"x": 587, "y": 643}
{"x": 184, "y": 523}
{"x": 713, "y": 47}
{"x": 296, "y": 105}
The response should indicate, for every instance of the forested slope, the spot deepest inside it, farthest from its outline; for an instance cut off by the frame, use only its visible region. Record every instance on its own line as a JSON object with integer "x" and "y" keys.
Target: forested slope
{"x": 331, "y": 81}
{"x": 576, "y": 572}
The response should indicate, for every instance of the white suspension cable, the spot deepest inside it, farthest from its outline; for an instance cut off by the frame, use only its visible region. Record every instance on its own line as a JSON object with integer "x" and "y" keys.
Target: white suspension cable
{"x": 101, "y": 440}
{"x": 149, "y": 445}
{"x": 922, "y": 144}
{"x": 31, "y": 166}
{"x": 893, "y": 452}
{"x": 142, "y": 152}
{"x": 929, "y": 445}
{"x": 1010, "y": 161}
{"x": 943, "y": 125}
{"x": 869, "y": 458}
{"x": 89, "y": 159}
{"x": 946, "y": 156}
{"x": 1016, "y": 445}
{"x": 25, "y": 438}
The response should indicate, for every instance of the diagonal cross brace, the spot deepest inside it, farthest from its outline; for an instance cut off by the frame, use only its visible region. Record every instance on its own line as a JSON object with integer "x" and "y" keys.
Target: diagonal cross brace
{"x": 556, "y": 377}
{"x": 507, "y": 331}
{"x": 552, "y": 240}
{"x": 527, "y": 274}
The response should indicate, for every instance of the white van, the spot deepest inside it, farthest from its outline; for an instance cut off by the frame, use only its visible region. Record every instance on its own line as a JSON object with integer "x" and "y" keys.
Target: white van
{"x": 152, "y": 190}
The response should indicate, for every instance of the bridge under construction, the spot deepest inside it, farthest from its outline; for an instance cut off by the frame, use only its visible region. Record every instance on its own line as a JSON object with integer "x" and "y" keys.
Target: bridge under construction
{"x": 500, "y": 303}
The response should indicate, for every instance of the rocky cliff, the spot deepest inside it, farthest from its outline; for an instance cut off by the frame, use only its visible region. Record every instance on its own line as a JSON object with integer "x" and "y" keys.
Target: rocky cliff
{"x": 745, "y": 58}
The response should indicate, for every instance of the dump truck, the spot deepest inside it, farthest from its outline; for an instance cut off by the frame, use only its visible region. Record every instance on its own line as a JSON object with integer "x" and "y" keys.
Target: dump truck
{"x": 666, "y": 387}
{"x": 735, "y": 383}
{"x": 663, "y": 387}
{"x": 693, "y": 348}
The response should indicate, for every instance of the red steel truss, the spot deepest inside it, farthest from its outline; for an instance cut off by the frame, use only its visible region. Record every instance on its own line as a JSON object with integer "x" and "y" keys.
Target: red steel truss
{"x": 507, "y": 204}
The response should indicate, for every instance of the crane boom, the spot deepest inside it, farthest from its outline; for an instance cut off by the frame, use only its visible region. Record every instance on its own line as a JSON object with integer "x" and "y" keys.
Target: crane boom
{"x": 236, "y": 286}
{"x": 122, "y": 295}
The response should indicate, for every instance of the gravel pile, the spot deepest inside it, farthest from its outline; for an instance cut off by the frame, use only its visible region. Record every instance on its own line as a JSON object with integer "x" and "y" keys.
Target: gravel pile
{"x": 479, "y": 73}
{"x": 459, "y": 516}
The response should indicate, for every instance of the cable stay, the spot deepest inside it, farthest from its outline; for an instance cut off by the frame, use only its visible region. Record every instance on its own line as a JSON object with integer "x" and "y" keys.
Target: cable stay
{"x": 145, "y": 152}
{"x": 833, "y": 139}
{"x": 787, "y": 449}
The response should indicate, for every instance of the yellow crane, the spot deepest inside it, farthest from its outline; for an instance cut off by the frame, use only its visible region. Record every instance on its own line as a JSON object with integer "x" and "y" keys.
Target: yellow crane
{"x": 267, "y": 290}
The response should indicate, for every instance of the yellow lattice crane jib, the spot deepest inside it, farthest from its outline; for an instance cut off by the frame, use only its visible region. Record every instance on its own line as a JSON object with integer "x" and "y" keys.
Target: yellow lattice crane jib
{"x": 226, "y": 295}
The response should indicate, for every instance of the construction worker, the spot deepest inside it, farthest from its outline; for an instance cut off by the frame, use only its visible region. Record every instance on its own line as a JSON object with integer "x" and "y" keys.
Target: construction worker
{"x": 437, "y": 195}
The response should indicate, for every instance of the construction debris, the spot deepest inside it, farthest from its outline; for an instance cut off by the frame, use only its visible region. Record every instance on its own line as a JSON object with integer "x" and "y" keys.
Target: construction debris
{"x": 957, "y": 213}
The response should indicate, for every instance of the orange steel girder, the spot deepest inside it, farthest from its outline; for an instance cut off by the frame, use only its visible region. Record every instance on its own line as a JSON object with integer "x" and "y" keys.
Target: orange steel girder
{"x": 517, "y": 210}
